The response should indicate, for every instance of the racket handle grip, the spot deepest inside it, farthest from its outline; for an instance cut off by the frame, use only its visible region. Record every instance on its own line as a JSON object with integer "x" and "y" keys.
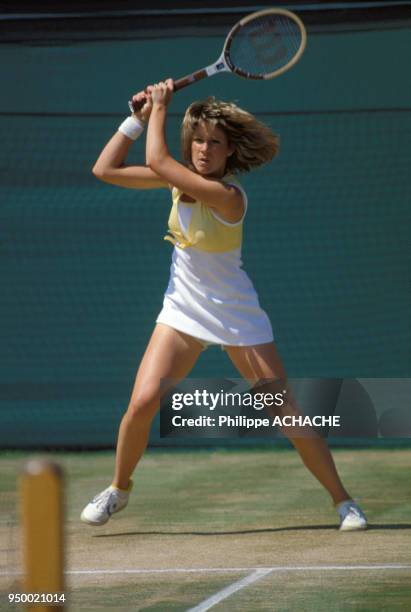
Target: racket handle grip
{"x": 189, "y": 79}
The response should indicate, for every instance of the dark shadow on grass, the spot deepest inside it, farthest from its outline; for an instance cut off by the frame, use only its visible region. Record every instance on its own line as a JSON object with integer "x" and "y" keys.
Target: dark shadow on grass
{"x": 215, "y": 533}
{"x": 248, "y": 531}
{"x": 395, "y": 526}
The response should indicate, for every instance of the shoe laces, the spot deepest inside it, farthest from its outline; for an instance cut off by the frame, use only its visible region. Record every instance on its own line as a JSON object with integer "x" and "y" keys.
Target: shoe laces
{"x": 354, "y": 510}
{"x": 349, "y": 508}
{"x": 103, "y": 499}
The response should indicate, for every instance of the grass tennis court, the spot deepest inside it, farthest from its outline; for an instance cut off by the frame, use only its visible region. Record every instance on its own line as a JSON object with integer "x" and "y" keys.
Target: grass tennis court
{"x": 224, "y": 513}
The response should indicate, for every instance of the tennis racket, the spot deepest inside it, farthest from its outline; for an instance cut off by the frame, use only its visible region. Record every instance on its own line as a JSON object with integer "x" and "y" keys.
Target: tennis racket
{"x": 262, "y": 45}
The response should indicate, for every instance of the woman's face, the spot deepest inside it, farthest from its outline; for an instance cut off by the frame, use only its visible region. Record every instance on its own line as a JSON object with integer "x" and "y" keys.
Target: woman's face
{"x": 209, "y": 150}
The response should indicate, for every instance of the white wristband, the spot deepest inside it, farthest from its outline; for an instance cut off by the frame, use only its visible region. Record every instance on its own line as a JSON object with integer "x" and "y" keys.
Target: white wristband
{"x": 131, "y": 127}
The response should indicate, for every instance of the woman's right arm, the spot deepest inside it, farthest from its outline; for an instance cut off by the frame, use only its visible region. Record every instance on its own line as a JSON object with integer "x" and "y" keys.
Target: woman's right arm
{"x": 110, "y": 166}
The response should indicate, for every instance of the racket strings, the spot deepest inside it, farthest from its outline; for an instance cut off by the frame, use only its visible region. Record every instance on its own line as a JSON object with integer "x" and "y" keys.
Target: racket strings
{"x": 265, "y": 44}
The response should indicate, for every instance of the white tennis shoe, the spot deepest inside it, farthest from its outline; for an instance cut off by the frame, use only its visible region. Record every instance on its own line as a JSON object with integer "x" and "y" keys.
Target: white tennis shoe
{"x": 352, "y": 518}
{"x": 106, "y": 503}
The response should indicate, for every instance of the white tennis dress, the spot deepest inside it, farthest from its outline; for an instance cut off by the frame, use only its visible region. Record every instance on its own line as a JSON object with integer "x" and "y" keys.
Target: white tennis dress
{"x": 209, "y": 295}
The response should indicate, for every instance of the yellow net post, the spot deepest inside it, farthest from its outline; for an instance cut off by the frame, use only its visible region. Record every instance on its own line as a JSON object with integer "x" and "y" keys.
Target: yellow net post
{"x": 41, "y": 505}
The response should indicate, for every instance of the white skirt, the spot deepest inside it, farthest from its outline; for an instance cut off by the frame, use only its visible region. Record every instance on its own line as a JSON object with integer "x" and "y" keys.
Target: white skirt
{"x": 210, "y": 297}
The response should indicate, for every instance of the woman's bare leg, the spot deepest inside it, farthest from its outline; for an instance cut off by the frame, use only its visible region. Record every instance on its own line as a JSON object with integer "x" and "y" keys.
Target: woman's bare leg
{"x": 262, "y": 362}
{"x": 170, "y": 354}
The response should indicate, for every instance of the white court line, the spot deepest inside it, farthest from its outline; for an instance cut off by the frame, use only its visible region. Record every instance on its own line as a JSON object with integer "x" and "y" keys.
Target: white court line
{"x": 183, "y": 570}
{"x": 232, "y": 588}
{"x": 280, "y": 568}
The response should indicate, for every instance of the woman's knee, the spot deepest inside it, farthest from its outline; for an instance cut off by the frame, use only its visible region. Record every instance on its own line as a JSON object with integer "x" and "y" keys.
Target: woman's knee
{"x": 144, "y": 404}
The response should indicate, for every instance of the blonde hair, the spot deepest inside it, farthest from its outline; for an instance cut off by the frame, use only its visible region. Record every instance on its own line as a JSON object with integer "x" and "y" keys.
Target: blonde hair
{"x": 254, "y": 142}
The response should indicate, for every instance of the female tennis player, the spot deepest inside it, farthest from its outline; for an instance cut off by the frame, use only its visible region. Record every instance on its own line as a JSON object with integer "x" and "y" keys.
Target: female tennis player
{"x": 209, "y": 299}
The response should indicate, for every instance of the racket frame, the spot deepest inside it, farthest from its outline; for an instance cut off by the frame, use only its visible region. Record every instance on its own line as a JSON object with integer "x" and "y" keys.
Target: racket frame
{"x": 251, "y": 17}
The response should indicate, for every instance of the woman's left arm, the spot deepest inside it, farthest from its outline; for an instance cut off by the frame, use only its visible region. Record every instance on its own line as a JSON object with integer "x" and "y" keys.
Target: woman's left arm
{"x": 214, "y": 193}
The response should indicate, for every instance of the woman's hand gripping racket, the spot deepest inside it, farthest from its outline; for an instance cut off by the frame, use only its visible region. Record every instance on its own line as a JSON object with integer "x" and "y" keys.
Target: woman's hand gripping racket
{"x": 262, "y": 45}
